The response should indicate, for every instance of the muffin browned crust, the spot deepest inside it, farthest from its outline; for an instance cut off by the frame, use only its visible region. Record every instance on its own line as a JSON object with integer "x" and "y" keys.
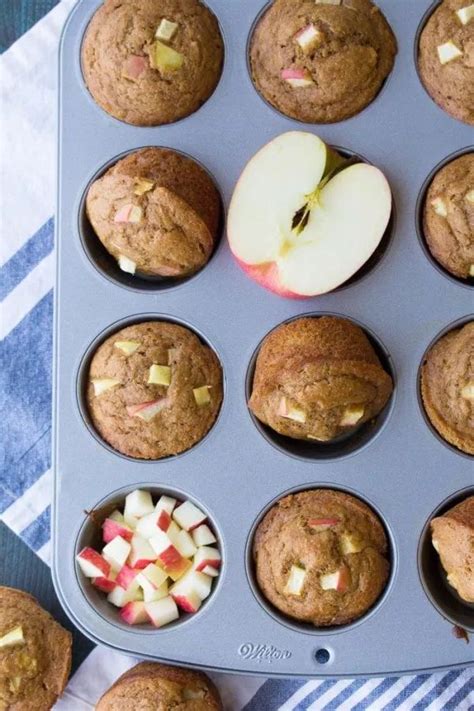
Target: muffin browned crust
{"x": 118, "y": 66}
{"x": 352, "y": 53}
{"x": 178, "y": 212}
{"x": 323, "y": 533}
{"x": 318, "y": 378}
{"x": 179, "y": 421}
{"x": 449, "y": 216}
{"x": 447, "y": 387}
{"x": 34, "y": 670}
{"x": 450, "y": 84}
{"x": 453, "y": 539}
{"x": 155, "y": 687}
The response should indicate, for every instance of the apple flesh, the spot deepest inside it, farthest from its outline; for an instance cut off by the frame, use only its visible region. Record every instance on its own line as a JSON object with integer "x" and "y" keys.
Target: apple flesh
{"x": 134, "y": 613}
{"x": 466, "y": 14}
{"x": 322, "y": 524}
{"x": 120, "y": 597}
{"x": 297, "y": 78}
{"x": 116, "y": 552}
{"x": 448, "y": 51}
{"x": 126, "y": 577}
{"x": 193, "y": 583}
{"x": 299, "y": 227}
{"x": 291, "y": 413}
{"x": 127, "y": 347}
{"x": 188, "y": 516}
{"x": 351, "y": 544}
{"x": 141, "y": 553}
{"x": 92, "y": 564}
{"x": 12, "y": 638}
{"x": 126, "y": 264}
{"x": 206, "y": 556}
{"x": 468, "y": 391}
{"x": 147, "y": 410}
{"x": 295, "y": 583}
{"x": 162, "y": 612}
{"x": 104, "y": 584}
{"x": 339, "y": 580}
{"x": 101, "y": 385}
{"x": 308, "y": 38}
{"x": 166, "y": 503}
{"x": 139, "y": 503}
{"x": 351, "y": 416}
{"x": 203, "y": 536}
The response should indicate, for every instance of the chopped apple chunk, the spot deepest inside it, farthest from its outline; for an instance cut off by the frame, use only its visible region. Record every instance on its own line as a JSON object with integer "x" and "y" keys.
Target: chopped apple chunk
{"x": 351, "y": 544}
{"x": 439, "y": 206}
{"x": 126, "y": 264}
{"x": 164, "y": 58}
{"x": 291, "y": 413}
{"x": 328, "y": 2}
{"x": 134, "y": 67}
{"x": 297, "y": 78}
{"x": 470, "y": 196}
{"x": 465, "y": 14}
{"x": 142, "y": 186}
{"x": 468, "y": 391}
{"x": 101, "y": 385}
{"x": 295, "y": 583}
{"x": 12, "y": 638}
{"x": 435, "y": 545}
{"x": 166, "y": 30}
{"x": 127, "y": 347}
{"x": 351, "y": 416}
{"x": 322, "y": 524}
{"x": 448, "y": 51}
{"x": 471, "y": 270}
{"x": 159, "y": 375}
{"x": 202, "y": 395}
{"x": 308, "y": 38}
{"x": 339, "y": 580}
{"x": 128, "y": 214}
{"x": 147, "y": 410}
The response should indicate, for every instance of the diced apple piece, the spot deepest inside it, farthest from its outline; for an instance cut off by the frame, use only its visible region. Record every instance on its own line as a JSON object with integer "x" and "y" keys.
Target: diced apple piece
{"x": 328, "y": 2}
{"x": 127, "y": 347}
{"x": 117, "y": 516}
{"x": 291, "y": 413}
{"x": 189, "y": 603}
{"x": 139, "y": 503}
{"x": 166, "y": 30}
{"x": 189, "y": 694}
{"x": 168, "y": 555}
{"x": 338, "y": 580}
{"x": 12, "y": 638}
{"x": 120, "y": 597}
{"x": 185, "y": 544}
{"x": 92, "y": 564}
{"x": 308, "y": 38}
{"x": 206, "y": 556}
{"x": 439, "y": 206}
{"x": 166, "y": 503}
{"x": 465, "y": 14}
{"x": 193, "y": 582}
{"x": 126, "y": 264}
{"x": 297, "y": 78}
{"x": 111, "y": 529}
{"x": 470, "y": 196}
{"x": 159, "y": 375}
{"x": 468, "y": 391}
{"x": 322, "y": 524}
{"x": 147, "y": 410}
{"x": 150, "y": 591}
{"x": 142, "y": 554}
{"x": 134, "y": 67}
{"x": 173, "y": 532}
{"x": 188, "y": 516}
{"x": 123, "y": 214}
{"x": 471, "y": 270}
{"x": 142, "y": 186}
{"x": 163, "y": 520}
{"x": 104, "y": 584}
{"x": 203, "y": 536}
{"x": 147, "y": 525}
{"x": 351, "y": 544}
{"x": 116, "y": 552}
{"x": 164, "y": 58}
{"x": 448, "y": 51}
{"x": 162, "y": 612}
{"x": 435, "y": 545}
{"x": 126, "y": 577}
{"x": 202, "y": 395}
{"x": 155, "y": 575}
{"x": 134, "y": 613}
{"x": 352, "y": 415}
{"x": 295, "y": 583}
{"x": 101, "y": 385}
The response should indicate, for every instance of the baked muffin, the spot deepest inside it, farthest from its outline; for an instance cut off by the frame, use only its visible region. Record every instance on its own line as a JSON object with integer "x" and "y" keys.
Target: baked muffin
{"x": 157, "y": 212}
{"x": 156, "y": 687}
{"x": 447, "y": 387}
{"x": 150, "y": 63}
{"x": 453, "y": 538}
{"x": 448, "y": 217}
{"x": 35, "y": 654}
{"x": 321, "y": 61}
{"x": 446, "y": 58}
{"x": 321, "y": 557}
{"x": 317, "y": 379}
{"x": 154, "y": 390}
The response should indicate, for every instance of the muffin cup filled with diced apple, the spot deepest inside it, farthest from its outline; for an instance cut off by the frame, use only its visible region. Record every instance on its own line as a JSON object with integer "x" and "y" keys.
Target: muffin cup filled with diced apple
{"x": 148, "y": 557}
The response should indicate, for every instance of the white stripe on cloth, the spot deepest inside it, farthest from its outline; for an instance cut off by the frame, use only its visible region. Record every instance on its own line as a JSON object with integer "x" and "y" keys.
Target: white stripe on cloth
{"x": 329, "y": 695}
{"x": 45, "y": 553}
{"x": 28, "y": 507}
{"x": 299, "y": 695}
{"x": 443, "y": 699}
{"x": 28, "y": 71}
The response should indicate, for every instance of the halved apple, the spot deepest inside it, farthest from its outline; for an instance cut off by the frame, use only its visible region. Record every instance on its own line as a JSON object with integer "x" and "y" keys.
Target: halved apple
{"x": 302, "y": 220}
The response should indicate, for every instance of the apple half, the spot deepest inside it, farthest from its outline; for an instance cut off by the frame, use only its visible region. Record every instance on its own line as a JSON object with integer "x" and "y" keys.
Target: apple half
{"x": 302, "y": 219}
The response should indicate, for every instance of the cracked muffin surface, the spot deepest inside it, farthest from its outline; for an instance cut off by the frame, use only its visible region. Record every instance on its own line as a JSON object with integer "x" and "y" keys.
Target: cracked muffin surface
{"x": 154, "y": 390}
{"x": 157, "y": 209}
{"x": 447, "y": 387}
{"x": 448, "y": 217}
{"x": 446, "y": 59}
{"x": 150, "y": 686}
{"x": 317, "y": 379}
{"x": 319, "y": 62}
{"x": 453, "y": 539}
{"x": 35, "y": 654}
{"x": 321, "y": 556}
{"x": 149, "y": 76}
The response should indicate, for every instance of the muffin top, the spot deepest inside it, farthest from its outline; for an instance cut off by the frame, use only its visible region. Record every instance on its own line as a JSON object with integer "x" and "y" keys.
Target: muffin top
{"x": 449, "y": 216}
{"x": 321, "y": 62}
{"x": 453, "y": 539}
{"x": 155, "y": 687}
{"x": 446, "y": 59}
{"x": 447, "y": 387}
{"x": 150, "y": 63}
{"x": 321, "y": 557}
{"x": 154, "y": 390}
{"x": 158, "y": 209}
{"x": 318, "y": 378}
{"x": 35, "y": 654}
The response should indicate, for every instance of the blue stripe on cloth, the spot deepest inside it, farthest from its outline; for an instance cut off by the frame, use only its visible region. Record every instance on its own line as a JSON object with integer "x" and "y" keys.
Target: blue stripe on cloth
{"x": 18, "y": 267}
{"x": 25, "y": 406}
{"x": 315, "y": 695}
{"x": 403, "y": 696}
{"x": 378, "y": 691}
{"x": 273, "y": 694}
{"x": 437, "y": 690}
{"x": 38, "y": 532}
{"x": 456, "y": 700}
{"x": 344, "y": 695}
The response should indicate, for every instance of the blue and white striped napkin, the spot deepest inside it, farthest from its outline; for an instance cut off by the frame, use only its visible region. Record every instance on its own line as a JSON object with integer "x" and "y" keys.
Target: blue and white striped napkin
{"x": 27, "y": 194}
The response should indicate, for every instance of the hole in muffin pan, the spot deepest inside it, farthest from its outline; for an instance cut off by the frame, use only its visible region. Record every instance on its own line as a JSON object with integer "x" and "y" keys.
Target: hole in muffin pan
{"x": 90, "y": 535}
{"x": 451, "y": 327}
{"x": 322, "y": 655}
{"x": 107, "y": 265}
{"x": 306, "y": 627}
{"x": 433, "y": 577}
{"x": 345, "y": 445}
{"x": 83, "y": 371}
{"x": 255, "y": 23}
{"x": 420, "y": 207}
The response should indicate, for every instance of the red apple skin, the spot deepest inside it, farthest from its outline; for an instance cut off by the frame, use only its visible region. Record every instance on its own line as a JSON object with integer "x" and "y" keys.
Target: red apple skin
{"x": 142, "y": 563}
{"x": 170, "y": 558}
{"x": 96, "y": 559}
{"x": 164, "y": 521}
{"x": 183, "y": 602}
{"x": 126, "y": 577}
{"x": 267, "y": 276}
{"x": 133, "y": 613}
{"x": 211, "y": 563}
{"x": 344, "y": 579}
{"x": 111, "y": 529}
{"x": 322, "y": 523}
{"x": 104, "y": 584}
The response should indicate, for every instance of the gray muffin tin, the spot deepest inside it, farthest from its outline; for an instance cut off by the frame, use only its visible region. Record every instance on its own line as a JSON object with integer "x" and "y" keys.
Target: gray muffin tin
{"x": 405, "y": 472}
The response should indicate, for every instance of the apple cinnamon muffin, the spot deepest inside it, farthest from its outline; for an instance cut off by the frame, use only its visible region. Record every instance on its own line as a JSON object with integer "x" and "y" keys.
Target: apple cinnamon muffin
{"x": 447, "y": 387}
{"x": 150, "y": 63}
{"x": 321, "y": 556}
{"x": 448, "y": 216}
{"x": 156, "y": 212}
{"x": 157, "y": 687}
{"x": 317, "y": 379}
{"x": 321, "y": 61}
{"x": 453, "y": 539}
{"x": 446, "y": 58}
{"x": 35, "y": 654}
{"x": 154, "y": 390}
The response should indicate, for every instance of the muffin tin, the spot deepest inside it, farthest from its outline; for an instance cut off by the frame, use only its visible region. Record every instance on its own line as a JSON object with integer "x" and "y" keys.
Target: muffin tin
{"x": 405, "y": 472}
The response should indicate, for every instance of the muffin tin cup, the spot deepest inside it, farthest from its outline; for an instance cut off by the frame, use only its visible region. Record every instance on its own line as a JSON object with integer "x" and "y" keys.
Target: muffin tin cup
{"x": 235, "y": 472}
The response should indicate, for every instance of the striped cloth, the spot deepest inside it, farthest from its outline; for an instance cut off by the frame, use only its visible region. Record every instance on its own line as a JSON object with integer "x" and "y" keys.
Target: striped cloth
{"x": 27, "y": 136}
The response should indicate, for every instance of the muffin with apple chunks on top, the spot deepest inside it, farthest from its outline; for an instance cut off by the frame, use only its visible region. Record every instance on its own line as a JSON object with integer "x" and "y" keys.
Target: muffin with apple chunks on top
{"x": 317, "y": 379}
{"x": 154, "y": 390}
